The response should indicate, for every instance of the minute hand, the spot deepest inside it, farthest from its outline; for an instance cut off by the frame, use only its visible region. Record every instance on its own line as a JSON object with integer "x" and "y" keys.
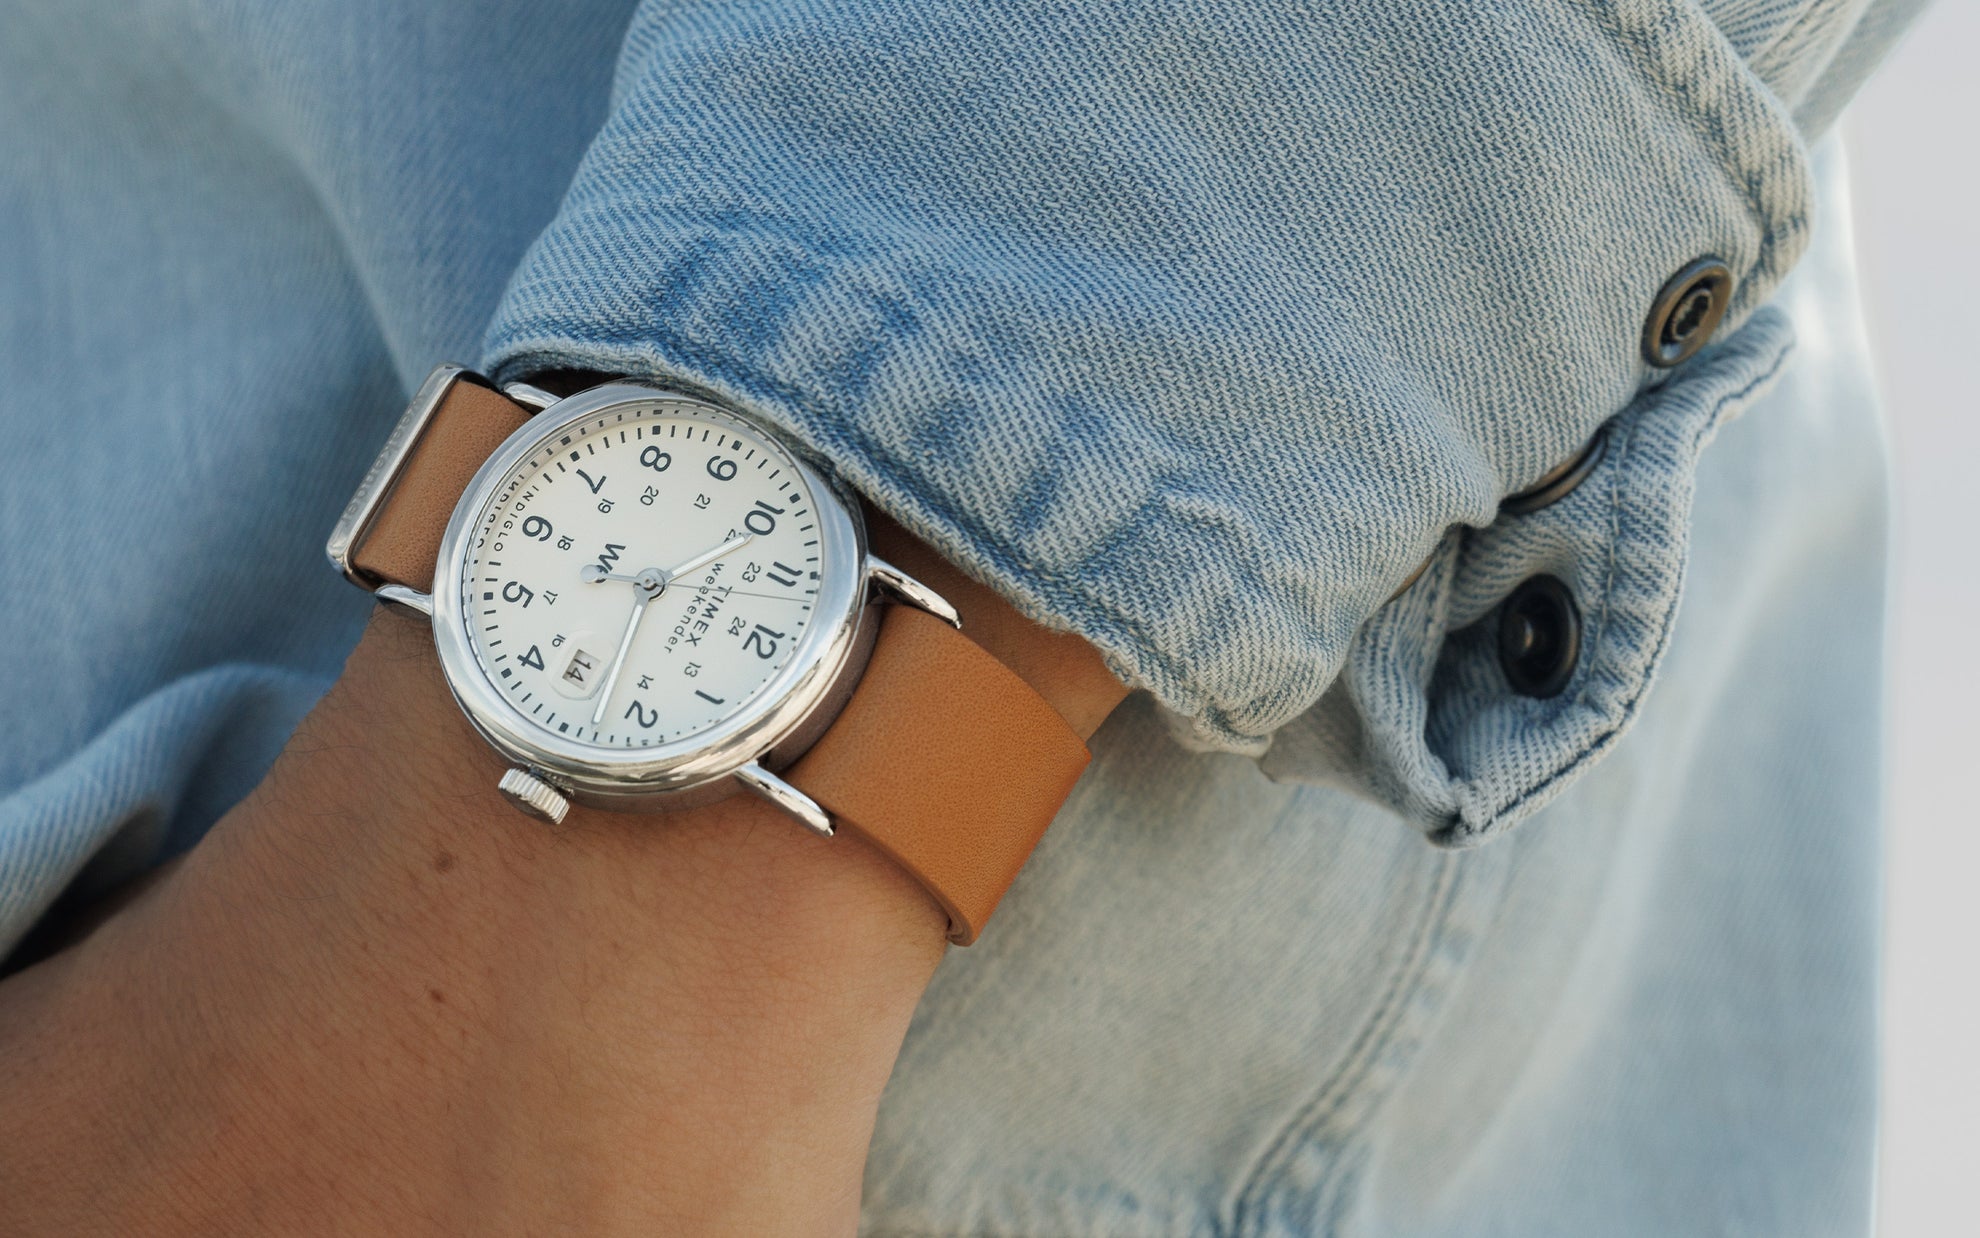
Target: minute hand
{"x": 704, "y": 559}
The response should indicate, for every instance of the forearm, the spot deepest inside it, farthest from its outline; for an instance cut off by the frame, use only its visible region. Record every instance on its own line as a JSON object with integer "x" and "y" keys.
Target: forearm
{"x": 625, "y": 1020}
{"x": 376, "y": 970}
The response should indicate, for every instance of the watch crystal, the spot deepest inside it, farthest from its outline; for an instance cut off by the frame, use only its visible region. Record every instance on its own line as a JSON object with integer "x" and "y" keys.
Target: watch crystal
{"x": 642, "y": 575}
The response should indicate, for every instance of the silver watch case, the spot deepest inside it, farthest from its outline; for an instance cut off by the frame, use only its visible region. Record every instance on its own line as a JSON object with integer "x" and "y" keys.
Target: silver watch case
{"x": 775, "y": 728}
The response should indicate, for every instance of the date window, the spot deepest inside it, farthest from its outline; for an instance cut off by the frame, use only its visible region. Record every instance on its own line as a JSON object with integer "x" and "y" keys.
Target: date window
{"x": 582, "y": 673}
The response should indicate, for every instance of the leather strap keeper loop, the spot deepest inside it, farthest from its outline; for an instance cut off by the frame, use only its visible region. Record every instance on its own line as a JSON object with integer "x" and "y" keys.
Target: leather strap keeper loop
{"x": 948, "y": 762}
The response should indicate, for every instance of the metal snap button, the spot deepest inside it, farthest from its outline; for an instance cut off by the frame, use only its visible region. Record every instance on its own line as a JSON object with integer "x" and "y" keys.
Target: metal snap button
{"x": 1559, "y": 483}
{"x": 1686, "y": 312}
{"x": 1539, "y": 637}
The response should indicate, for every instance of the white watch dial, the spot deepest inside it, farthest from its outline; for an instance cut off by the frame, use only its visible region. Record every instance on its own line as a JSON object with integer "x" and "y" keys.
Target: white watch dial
{"x": 640, "y": 576}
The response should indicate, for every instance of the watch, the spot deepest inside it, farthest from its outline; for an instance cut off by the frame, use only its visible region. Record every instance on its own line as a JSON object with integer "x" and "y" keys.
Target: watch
{"x": 643, "y": 598}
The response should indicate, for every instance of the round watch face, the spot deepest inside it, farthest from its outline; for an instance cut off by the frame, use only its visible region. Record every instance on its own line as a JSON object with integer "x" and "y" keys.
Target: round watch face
{"x": 638, "y": 575}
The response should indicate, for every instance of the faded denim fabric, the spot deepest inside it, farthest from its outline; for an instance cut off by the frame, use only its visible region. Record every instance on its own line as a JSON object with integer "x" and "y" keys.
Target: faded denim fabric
{"x": 1197, "y": 327}
{"x": 1193, "y": 326}
{"x": 1213, "y": 1004}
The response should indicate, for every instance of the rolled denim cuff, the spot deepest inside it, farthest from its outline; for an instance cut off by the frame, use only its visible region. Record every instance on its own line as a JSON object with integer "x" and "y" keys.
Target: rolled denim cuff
{"x": 1193, "y": 327}
{"x": 1423, "y": 718}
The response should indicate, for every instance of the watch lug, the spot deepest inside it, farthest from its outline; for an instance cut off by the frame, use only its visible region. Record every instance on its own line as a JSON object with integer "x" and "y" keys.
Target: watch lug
{"x": 905, "y": 588}
{"x": 407, "y": 597}
{"x": 529, "y": 396}
{"x": 786, "y": 797}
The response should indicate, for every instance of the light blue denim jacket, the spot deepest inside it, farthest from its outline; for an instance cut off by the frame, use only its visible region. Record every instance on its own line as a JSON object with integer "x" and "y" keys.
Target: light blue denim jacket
{"x": 1195, "y": 327}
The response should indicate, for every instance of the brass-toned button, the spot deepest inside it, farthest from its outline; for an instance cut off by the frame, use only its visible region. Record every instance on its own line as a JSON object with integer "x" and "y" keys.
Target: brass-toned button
{"x": 1539, "y": 637}
{"x": 1558, "y": 483}
{"x": 1686, "y": 312}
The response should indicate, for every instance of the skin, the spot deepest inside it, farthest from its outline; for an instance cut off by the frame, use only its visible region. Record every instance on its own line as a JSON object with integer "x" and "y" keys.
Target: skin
{"x": 377, "y": 1000}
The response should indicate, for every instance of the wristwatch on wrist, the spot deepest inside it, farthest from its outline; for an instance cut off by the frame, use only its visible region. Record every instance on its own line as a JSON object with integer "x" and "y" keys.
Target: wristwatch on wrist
{"x": 644, "y": 598}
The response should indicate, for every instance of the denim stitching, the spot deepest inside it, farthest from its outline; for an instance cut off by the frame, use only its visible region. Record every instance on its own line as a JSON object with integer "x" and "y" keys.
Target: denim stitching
{"x": 1710, "y": 124}
{"x": 1603, "y": 740}
{"x": 1378, "y": 1033}
{"x": 1764, "y": 58}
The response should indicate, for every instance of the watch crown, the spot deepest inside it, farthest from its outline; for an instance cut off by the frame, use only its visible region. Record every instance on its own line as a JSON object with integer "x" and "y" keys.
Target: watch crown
{"x": 534, "y": 796}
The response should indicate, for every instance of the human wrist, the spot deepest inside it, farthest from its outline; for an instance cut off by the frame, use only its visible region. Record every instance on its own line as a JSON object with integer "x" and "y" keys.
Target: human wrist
{"x": 682, "y": 1022}
{"x": 736, "y": 874}
{"x": 469, "y": 1008}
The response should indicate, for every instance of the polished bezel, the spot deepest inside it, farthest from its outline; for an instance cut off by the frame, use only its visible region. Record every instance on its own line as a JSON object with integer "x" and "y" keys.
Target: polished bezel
{"x": 771, "y": 728}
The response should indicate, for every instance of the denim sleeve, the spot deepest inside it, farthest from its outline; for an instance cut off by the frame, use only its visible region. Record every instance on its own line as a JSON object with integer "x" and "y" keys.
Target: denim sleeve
{"x": 1201, "y": 327}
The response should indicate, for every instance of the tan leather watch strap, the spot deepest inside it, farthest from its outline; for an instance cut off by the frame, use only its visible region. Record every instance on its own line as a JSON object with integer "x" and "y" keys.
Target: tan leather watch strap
{"x": 402, "y": 542}
{"x": 944, "y": 758}
{"x": 947, "y": 761}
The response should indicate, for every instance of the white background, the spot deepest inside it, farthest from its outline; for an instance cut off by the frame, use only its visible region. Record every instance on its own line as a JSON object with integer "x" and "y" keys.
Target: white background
{"x": 1913, "y": 149}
